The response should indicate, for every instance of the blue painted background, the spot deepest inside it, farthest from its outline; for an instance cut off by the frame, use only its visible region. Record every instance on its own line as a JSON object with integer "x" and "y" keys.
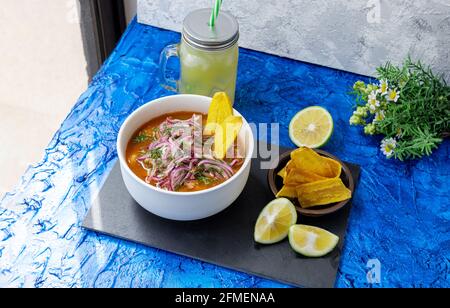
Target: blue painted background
{"x": 401, "y": 213}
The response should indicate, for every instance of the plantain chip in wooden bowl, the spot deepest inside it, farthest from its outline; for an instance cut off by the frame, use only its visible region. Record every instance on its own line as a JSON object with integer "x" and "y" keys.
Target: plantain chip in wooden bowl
{"x": 337, "y": 178}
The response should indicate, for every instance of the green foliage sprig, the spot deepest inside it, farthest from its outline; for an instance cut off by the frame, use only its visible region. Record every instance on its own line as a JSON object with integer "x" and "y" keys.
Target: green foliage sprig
{"x": 410, "y": 106}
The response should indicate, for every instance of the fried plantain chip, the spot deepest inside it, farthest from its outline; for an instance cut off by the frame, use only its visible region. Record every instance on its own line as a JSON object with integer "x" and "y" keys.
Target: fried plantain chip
{"x": 309, "y": 161}
{"x": 322, "y": 193}
{"x": 220, "y": 109}
{"x": 225, "y": 135}
{"x": 297, "y": 177}
{"x": 287, "y": 192}
{"x": 283, "y": 173}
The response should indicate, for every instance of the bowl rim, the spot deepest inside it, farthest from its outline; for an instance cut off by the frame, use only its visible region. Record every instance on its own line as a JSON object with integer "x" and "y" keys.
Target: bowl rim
{"x": 311, "y": 212}
{"x": 124, "y": 164}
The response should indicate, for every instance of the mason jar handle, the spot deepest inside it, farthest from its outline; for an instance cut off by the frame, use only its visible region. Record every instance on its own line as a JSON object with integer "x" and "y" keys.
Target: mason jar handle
{"x": 168, "y": 83}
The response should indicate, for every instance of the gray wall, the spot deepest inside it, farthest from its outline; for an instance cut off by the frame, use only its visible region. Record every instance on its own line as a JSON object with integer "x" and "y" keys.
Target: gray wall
{"x": 354, "y": 35}
{"x": 130, "y": 9}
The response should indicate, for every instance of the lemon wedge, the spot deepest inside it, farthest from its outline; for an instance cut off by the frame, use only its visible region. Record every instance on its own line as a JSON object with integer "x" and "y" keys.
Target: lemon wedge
{"x": 312, "y": 127}
{"x": 312, "y": 241}
{"x": 274, "y": 221}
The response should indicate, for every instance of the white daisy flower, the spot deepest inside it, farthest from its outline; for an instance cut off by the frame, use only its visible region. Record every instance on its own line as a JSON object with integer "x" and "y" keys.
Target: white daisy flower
{"x": 379, "y": 116}
{"x": 374, "y": 104}
{"x": 384, "y": 87}
{"x": 373, "y": 95}
{"x": 393, "y": 95}
{"x": 388, "y": 146}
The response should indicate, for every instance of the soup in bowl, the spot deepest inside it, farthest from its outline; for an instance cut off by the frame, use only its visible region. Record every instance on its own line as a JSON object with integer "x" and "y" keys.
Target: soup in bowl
{"x": 168, "y": 165}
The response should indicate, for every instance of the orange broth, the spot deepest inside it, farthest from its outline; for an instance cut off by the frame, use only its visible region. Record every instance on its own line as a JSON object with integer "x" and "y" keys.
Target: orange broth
{"x": 136, "y": 149}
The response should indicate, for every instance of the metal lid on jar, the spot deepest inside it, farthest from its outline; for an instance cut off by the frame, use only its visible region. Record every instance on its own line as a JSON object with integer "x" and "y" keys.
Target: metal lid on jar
{"x": 198, "y": 33}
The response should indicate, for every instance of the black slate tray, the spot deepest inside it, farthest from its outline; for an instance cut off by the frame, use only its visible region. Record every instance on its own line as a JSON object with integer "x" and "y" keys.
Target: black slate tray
{"x": 225, "y": 239}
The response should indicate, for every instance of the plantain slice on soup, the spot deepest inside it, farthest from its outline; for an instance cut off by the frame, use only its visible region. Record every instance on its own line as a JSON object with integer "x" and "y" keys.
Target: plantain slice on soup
{"x": 225, "y": 135}
{"x": 220, "y": 109}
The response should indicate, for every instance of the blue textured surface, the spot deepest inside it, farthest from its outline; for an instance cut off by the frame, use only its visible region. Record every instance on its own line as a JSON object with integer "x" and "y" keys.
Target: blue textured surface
{"x": 401, "y": 210}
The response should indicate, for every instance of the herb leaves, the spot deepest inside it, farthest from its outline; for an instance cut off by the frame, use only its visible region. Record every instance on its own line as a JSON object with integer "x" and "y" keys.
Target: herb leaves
{"x": 421, "y": 118}
{"x": 141, "y": 137}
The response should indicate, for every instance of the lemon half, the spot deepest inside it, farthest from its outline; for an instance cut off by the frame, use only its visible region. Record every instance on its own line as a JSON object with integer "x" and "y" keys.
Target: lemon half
{"x": 312, "y": 127}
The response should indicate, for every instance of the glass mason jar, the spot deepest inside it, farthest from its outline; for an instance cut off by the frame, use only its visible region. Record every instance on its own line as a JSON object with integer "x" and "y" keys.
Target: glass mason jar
{"x": 208, "y": 56}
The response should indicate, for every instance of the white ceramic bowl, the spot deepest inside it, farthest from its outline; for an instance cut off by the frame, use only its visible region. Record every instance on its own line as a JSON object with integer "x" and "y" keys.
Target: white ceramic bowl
{"x": 182, "y": 206}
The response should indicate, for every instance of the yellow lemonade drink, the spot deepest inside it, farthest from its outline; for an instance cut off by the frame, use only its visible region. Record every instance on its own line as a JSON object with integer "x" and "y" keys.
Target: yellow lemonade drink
{"x": 206, "y": 72}
{"x": 208, "y": 56}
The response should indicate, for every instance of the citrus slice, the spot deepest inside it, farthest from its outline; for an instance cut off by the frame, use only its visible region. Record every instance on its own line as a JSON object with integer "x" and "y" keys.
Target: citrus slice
{"x": 312, "y": 241}
{"x": 274, "y": 221}
{"x": 312, "y": 127}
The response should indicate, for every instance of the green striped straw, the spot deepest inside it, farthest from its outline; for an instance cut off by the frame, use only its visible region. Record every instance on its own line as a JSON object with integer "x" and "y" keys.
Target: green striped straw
{"x": 215, "y": 13}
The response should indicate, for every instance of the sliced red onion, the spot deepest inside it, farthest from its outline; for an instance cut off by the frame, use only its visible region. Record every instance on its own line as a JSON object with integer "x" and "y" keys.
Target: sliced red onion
{"x": 236, "y": 162}
{"x": 223, "y": 165}
{"x": 179, "y": 165}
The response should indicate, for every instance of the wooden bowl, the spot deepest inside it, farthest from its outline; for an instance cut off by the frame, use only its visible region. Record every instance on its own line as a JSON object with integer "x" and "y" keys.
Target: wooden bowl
{"x": 276, "y": 183}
